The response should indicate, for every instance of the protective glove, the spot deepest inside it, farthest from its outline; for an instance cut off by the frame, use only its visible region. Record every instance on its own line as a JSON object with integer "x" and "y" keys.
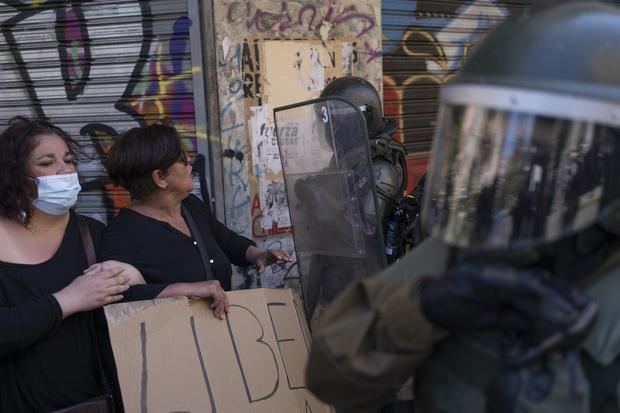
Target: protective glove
{"x": 544, "y": 319}
{"x": 544, "y": 312}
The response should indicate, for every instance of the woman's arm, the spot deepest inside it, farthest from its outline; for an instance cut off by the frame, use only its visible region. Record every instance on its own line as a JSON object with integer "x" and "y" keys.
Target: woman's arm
{"x": 263, "y": 258}
{"x": 233, "y": 244}
{"x": 211, "y": 290}
{"x": 93, "y": 289}
{"x": 134, "y": 275}
{"x": 239, "y": 250}
{"x": 25, "y": 324}
{"x": 116, "y": 245}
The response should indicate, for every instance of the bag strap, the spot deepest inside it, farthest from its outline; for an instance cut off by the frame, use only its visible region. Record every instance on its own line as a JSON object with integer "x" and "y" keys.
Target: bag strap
{"x": 87, "y": 240}
{"x": 91, "y": 257}
{"x": 199, "y": 242}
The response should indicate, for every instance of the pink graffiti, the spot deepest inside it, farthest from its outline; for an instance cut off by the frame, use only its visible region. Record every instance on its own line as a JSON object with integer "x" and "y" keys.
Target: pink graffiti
{"x": 74, "y": 44}
{"x": 311, "y": 8}
{"x": 263, "y": 20}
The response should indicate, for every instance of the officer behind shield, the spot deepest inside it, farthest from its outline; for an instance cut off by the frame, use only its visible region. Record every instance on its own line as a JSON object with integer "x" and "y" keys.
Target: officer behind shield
{"x": 329, "y": 272}
{"x": 512, "y": 304}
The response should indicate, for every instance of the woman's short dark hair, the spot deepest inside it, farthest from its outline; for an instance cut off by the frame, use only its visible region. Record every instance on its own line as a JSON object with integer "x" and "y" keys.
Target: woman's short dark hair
{"x": 17, "y": 187}
{"x": 139, "y": 152}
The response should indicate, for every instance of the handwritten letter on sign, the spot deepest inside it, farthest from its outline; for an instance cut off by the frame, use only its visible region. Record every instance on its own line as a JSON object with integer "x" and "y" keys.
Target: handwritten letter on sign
{"x": 173, "y": 355}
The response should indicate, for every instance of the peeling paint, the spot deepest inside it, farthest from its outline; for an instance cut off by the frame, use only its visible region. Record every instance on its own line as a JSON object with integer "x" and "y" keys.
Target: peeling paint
{"x": 347, "y": 59}
{"x": 225, "y": 47}
{"x": 317, "y": 72}
{"x": 324, "y": 31}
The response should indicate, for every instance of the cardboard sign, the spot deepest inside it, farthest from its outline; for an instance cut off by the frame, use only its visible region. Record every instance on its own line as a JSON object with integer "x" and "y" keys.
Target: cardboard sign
{"x": 173, "y": 355}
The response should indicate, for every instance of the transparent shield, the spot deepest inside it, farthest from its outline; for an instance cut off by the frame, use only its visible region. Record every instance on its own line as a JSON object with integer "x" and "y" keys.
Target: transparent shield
{"x": 331, "y": 194}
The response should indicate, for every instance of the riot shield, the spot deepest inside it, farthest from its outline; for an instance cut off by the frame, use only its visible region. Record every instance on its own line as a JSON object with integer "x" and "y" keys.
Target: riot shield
{"x": 331, "y": 195}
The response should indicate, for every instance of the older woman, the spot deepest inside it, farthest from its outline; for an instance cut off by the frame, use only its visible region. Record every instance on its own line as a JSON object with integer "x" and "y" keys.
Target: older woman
{"x": 164, "y": 230}
{"x": 53, "y": 351}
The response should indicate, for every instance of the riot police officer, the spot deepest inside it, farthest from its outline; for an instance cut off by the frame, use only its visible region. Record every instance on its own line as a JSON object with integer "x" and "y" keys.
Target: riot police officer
{"x": 510, "y": 305}
{"x": 345, "y": 128}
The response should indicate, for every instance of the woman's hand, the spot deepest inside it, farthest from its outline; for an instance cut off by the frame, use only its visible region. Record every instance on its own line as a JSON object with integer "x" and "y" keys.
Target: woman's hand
{"x": 135, "y": 276}
{"x": 214, "y": 293}
{"x": 93, "y": 289}
{"x": 263, "y": 258}
{"x": 211, "y": 290}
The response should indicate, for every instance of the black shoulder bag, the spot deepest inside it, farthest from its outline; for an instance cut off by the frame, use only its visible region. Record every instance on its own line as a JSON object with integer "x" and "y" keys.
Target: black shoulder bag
{"x": 104, "y": 403}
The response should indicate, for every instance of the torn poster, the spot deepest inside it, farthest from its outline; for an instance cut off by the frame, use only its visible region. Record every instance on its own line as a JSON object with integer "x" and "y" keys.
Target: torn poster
{"x": 315, "y": 65}
{"x": 268, "y": 169}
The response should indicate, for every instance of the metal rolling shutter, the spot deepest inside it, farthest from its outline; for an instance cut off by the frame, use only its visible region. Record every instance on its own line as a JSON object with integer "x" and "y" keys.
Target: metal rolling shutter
{"x": 96, "y": 69}
{"x": 424, "y": 44}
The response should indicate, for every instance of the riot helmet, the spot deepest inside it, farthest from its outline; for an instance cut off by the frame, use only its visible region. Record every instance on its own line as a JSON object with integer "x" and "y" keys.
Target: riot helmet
{"x": 362, "y": 94}
{"x": 388, "y": 155}
{"x": 527, "y": 145}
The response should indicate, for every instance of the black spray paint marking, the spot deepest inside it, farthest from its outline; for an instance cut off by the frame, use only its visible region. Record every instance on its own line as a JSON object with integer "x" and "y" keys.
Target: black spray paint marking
{"x": 283, "y": 340}
{"x": 258, "y": 340}
{"x": 144, "y": 381}
{"x": 298, "y": 311}
{"x": 202, "y": 365}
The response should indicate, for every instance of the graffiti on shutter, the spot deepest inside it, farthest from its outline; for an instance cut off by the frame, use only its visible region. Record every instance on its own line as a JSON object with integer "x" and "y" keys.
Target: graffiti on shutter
{"x": 425, "y": 43}
{"x": 97, "y": 69}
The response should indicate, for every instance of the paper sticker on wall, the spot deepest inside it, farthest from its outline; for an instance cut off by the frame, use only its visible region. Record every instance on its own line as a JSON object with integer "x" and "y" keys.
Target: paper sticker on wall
{"x": 273, "y": 197}
{"x": 316, "y": 79}
{"x": 268, "y": 169}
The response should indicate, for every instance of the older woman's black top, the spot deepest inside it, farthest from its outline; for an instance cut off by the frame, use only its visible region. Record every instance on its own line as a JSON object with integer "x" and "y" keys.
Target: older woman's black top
{"x": 165, "y": 255}
{"x": 47, "y": 363}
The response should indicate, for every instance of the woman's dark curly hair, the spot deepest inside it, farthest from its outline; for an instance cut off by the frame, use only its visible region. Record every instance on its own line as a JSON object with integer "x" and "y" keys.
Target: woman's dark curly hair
{"x": 17, "y": 187}
{"x": 140, "y": 151}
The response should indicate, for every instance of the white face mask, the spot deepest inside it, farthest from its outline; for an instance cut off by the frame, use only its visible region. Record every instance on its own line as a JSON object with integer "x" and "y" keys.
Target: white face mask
{"x": 57, "y": 193}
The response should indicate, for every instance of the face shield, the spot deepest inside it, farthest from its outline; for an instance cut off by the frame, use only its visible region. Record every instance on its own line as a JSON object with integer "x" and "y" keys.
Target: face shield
{"x": 514, "y": 168}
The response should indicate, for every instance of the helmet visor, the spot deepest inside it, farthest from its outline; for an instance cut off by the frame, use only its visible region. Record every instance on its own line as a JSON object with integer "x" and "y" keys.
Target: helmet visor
{"x": 507, "y": 179}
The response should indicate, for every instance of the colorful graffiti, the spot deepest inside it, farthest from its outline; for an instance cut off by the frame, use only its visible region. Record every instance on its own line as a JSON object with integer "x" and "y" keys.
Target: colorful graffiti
{"x": 243, "y": 58}
{"x": 307, "y": 18}
{"x": 424, "y": 47}
{"x": 150, "y": 97}
{"x": 266, "y": 20}
{"x": 95, "y": 75}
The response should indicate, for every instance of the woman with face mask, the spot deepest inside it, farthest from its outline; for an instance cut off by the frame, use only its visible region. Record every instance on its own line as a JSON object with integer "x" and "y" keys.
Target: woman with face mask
{"x": 53, "y": 349}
